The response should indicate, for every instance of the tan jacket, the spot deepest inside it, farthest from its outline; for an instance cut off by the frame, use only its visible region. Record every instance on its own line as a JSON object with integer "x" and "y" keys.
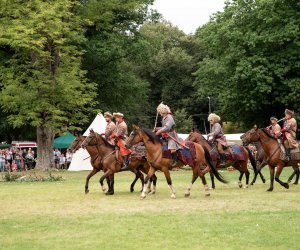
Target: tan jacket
{"x": 109, "y": 129}
{"x": 121, "y": 130}
{"x": 291, "y": 127}
{"x": 276, "y": 130}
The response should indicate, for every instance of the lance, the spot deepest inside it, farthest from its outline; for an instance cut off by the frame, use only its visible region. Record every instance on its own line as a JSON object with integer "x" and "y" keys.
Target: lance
{"x": 205, "y": 129}
{"x": 156, "y": 120}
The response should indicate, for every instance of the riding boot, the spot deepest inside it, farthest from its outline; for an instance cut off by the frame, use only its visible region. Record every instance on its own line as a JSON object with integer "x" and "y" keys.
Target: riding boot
{"x": 126, "y": 163}
{"x": 287, "y": 154}
{"x": 174, "y": 159}
{"x": 223, "y": 160}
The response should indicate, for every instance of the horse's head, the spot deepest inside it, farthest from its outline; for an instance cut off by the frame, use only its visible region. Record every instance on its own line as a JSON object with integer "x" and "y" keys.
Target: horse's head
{"x": 250, "y": 136}
{"x": 91, "y": 140}
{"x": 76, "y": 144}
{"x": 134, "y": 137}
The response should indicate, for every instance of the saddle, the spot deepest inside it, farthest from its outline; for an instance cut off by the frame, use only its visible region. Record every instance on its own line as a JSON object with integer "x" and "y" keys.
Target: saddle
{"x": 187, "y": 153}
{"x": 232, "y": 153}
{"x": 295, "y": 153}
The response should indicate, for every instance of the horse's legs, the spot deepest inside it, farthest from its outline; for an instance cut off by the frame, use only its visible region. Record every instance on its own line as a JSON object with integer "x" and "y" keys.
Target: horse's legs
{"x": 138, "y": 175}
{"x": 272, "y": 172}
{"x": 102, "y": 184}
{"x": 93, "y": 172}
{"x": 247, "y": 174}
{"x": 277, "y": 174}
{"x": 291, "y": 177}
{"x": 194, "y": 178}
{"x": 154, "y": 179}
{"x": 240, "y": 179}
{"x": 169, "y": 181}
{"x": 297, "y": 171}
{"x": 212, "y": 177}
{"x": 257, "y": 173}
{"x": 111, "y": 180}
{"x": 202, "y": 176}
{"x": 147, "y": 179}
{"x": 264, "y": 163}
{"x": 106, "y": 174}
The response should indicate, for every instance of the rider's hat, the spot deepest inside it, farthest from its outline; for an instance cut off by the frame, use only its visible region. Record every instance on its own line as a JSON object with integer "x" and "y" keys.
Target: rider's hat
{"x": 213, "y": 117}
{"x": 273, "y": 118}
{"x": 118, "y": 114}
{"x": 164, "y": 109}
{"x": 108, "y": 114}
{"x": 289, "y": 112}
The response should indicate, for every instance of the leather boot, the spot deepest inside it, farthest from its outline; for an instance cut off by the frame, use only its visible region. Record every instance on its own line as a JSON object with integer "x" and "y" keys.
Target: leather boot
{"x": 126, "y": 163}
{"x": 287, "y": 154}
{"x": 223, "y": 160}
{"x": 174, "y": 159}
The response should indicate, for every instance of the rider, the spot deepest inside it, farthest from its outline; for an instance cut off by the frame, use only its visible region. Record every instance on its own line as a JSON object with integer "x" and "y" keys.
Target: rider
{"x": 119, "y": 135}
{"x": 168, "y": 131}
{"x": 218, "y": 136}
{"x": 274, "y": 129}
{"x": 110, "y": 127}
{"x": 289, "y": 132}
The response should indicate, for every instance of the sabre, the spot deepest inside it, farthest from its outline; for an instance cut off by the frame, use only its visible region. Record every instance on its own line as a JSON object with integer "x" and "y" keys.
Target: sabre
{"x": 277, "y": 122}
{"x": 156, "y": 120}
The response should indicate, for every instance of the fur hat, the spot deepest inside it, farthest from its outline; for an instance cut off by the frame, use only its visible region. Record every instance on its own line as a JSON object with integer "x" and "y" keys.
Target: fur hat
{"x": 164, "y": 109}
{"x": 289, "y": 112}
{"x": 118, "y": 114}
{"x": 273, "y": 118}
{"x": 108, "y": 114}
{"x": 213, "y": 117}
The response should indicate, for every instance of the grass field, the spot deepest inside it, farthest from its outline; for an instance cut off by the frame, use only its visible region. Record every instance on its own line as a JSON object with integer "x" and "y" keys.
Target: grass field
{"x": 58, "y": 215}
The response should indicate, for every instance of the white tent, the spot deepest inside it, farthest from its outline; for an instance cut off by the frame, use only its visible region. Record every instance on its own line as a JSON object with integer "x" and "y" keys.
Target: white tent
{"x": 81, "y": 159}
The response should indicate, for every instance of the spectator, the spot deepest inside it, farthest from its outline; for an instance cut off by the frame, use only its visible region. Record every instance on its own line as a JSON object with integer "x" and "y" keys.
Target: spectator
{"x": 2, "y": 161}
{"x": 18, "y": 159}
{"x": 69, "y": 157}
{"x": 29, "y": 158}
{"x": 56, "y": 155}
{"x": 9, "y": 156}
{"x": 62, "y": 161}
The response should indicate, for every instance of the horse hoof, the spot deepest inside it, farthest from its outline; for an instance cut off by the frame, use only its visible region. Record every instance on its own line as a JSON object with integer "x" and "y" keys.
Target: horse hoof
{"x": 286, "y": 185}
{"x": 131, "y": 190}
{"x": 109, "y": 193}
{"x": 295, "y": 183}
{"x": 240, "y": 185}
{"x": 251, "y": 183}
{"x": 173, "y": 196}
{"x": 152, "y": 192}
{"x": 103, "y": 190}
{"x": 211, "y": 188}
{"x": 264, "y": 181}
{"x": 246, "y": 187}
{"x": 87, "y": 191}
{"x": 270, "y": 190}
{"x": 143, "y": 197}
{"x": 187, "y": 195}
{"x": 208, "y": 194}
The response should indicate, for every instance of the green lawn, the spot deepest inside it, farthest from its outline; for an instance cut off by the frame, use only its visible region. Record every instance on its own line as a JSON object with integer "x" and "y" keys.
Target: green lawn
{"x": 58, "y": 215}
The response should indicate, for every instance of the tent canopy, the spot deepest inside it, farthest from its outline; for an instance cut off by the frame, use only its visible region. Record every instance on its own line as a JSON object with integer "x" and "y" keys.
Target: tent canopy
{"x": 64, "y": 141}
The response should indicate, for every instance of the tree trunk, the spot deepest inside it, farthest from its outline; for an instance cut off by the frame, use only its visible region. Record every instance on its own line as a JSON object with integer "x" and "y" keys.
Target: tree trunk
{"x": 44, "y": 148}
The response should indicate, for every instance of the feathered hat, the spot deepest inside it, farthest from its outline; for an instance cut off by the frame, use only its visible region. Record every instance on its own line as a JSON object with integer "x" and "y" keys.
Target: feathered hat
{"x": 164, "y": 109}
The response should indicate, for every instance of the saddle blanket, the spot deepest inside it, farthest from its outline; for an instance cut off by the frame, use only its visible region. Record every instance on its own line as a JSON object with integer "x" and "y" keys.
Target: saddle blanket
{"x": 186, "y": 154}
{"x": 295, "y": 154}
{"x": 236, "y": 153}
{"x": 139, "y": 152}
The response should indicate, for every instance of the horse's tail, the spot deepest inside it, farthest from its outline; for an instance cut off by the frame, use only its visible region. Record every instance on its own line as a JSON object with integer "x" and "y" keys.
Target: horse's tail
{"x": 252, "y": 160}
{"x": 213, "y": 167}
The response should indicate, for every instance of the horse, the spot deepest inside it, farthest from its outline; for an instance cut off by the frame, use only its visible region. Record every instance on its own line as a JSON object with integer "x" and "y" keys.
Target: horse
{"x": 154, "y": 149}
{"x": 97, "y": 166}
{"x": 272, "y": 151}
{"x": 240, "y": 165}
{"x": 262, "y": 161}
{"x": 109, "y": 161}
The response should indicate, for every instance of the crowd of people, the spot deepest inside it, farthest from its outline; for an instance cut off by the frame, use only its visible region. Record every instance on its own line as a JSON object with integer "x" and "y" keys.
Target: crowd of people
{"x": 15, "y": 159}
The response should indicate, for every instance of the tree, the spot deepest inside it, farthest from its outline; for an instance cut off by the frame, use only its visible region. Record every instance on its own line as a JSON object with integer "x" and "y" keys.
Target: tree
{"x": 42, "y": 83}
{"x": 252, "y": 59}
{"x": 184, "y": 122}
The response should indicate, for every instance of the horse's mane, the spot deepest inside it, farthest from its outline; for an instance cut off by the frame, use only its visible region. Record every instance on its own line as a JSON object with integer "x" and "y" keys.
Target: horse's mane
{"x": 198, "y": 132}
{"x": 106, "y": 143}
{"x": 152, "y": 136}
{"x": 268, "y": 134}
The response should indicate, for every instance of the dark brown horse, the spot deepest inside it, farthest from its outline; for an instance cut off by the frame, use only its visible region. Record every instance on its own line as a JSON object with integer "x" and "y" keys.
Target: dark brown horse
{"x": 240, "y": 165}
{"x": 272, "y": 151}
{"x": 136, "y": 167}
{"x": 154, "y": 149}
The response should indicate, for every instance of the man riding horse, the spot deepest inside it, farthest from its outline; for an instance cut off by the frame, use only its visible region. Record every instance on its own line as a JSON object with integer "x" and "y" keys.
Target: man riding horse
{"x": 110, "y": 126}
{"x": 119, "y": 136}
{"x": 218, "y": 136}
{"x": 289, "y": 133}
{"x": 168, "y": 131}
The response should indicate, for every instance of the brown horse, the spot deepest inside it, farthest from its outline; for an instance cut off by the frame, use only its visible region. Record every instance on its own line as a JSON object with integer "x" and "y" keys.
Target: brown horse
{"x": 240, "y": 165}
{"x": 96, "y": 161}
{"x": 154, "y": 148}
{"x": 110, "y": 162}
{"x": 272, "y": 151}
{"x": 262, "y": 161}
